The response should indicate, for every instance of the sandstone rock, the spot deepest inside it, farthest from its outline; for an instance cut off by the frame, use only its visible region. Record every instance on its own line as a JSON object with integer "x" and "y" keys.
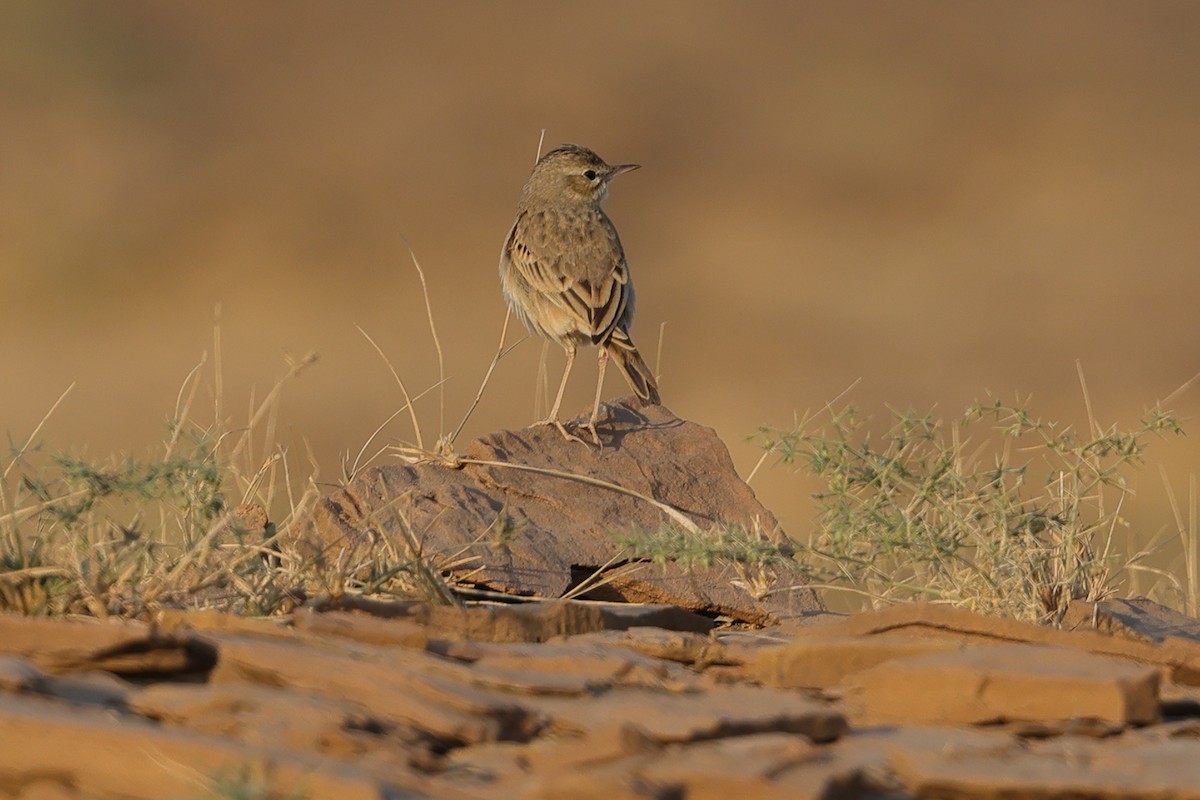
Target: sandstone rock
{"x": 410, "y": 687}
{"x": 677, "y": 717}
{"x": 1066, "y": 768}
{"x": 48, "y": 790}
{"x": 373, "y": 621}
{"x": 514, "y": 527}
{"x": 623, "y": 758}
{"x": 625, "y": 616}
{"x": 572, "y": 667}
{"x": 1179, "y": 656}
{"x": 771, "y": 766}
{"x": 1179, "y": 702}
{"x": 1009, "y": 682}
{"x": 119, "y": 646}
{"x": 173, "y": 620}
{"x": 873, "y": 751}
{"x": 19, "y": 675}
{"x": 1135, "y": 618}
{"x": 89, "y": 688}
{"x": 105, "y": 757}
{"x": 681, "y": 647}
{"x": 277, "y": 717}
{"x": 605, "y": 783}
{"x": 819, "y": 662}
{"x": 362, "y": 628}
{"x": 350, "y": 704}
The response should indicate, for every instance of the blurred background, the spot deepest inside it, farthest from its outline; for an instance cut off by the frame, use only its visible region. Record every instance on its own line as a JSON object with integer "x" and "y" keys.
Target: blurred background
{"x": 936, "y": 200}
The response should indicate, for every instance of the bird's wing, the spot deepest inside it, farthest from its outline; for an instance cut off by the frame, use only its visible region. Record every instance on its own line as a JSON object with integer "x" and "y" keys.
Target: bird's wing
{"x": 585, "y": 277}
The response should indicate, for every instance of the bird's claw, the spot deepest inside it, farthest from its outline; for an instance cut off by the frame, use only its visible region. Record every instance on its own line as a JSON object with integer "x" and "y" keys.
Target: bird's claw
{"x": 591, "y": 426}
{"x": 570, "y": 437}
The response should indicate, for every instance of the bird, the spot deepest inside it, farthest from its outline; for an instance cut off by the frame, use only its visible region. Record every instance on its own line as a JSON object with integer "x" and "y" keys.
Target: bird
{"x": 564, "y": 273}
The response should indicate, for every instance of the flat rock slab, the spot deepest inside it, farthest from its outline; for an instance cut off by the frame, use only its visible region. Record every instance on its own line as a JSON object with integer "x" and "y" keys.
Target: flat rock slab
{"x": 105, "y": 757}
{"x": 402, "y": 687}
{"x": 1178, "y": 655}
{"x": 820, "y": 663}
{"x": 769, "y": 766}
{"x": 1006, "y": 683}
{"x": 379, "y": 700}
{"x": 526, "y": 512}
{"x": 1135, "y": 618}
{"x": 1081, "y": 769}
{"x": 409, "y": 623}
{"x": 727, "y": 711}
{"x": 122, "y": 647}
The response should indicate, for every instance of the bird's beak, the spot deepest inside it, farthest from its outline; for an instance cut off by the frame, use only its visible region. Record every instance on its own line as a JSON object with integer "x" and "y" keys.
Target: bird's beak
{"x": 618, "y": 169}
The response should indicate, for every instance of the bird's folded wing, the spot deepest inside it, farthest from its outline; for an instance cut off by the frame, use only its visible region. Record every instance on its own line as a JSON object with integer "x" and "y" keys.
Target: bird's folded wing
{"x": 589, "y": 281}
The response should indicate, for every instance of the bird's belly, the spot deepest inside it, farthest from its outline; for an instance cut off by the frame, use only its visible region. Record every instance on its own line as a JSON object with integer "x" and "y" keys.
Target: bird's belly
{"x": 541, "y": 315}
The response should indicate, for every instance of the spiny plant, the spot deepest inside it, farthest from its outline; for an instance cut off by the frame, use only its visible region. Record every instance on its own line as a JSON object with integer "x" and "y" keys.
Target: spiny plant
{"x": 124, "y": 535}
{"x": 201, "y": 524}
{"x": 997, "y": 511}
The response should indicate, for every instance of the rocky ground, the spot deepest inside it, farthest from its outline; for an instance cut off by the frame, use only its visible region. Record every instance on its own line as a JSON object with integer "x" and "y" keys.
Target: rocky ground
{"x": 669, "y": 683}
{"x": 573, "y": 699}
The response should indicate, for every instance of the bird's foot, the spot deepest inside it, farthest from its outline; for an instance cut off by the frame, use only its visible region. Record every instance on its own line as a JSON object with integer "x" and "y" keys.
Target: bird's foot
{"x": 590, "y": 425}
{"x": 570, "y": 437}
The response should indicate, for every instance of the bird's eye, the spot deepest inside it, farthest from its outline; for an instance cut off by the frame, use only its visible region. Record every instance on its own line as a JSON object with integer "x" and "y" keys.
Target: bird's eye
{"x": 590, "y": 174}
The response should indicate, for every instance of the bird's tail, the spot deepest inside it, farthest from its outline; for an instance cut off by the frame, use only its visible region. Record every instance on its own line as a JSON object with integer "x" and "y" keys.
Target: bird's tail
{"x": 622, "y": 350}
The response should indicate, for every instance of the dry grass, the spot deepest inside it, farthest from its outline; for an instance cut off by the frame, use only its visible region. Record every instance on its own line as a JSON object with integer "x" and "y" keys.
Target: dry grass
{"x": 182, "y": 528}
{"x": 996, "y": 511}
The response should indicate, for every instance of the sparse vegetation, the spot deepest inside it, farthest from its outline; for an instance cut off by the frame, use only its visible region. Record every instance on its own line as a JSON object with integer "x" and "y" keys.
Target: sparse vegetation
{"x": 251, "y": 781}
{"x": 187, "y": 528}
{"x": 1019, "y": 520}
{"x": 996, "y": 511}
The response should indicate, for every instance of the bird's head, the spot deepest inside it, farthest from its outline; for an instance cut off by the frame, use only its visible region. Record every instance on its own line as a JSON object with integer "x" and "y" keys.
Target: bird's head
{"x": 571, "y": 174}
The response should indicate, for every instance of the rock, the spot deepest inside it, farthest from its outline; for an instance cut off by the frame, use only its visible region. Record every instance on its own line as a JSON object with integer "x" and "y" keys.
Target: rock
{"x": 1067, "y": 768}
{"x": 1004, "y": 683}
{"x": 574, "y": 667}
{"x": 107, "y": 757}
{"x": 1135, "y": 618}
{"x": 756, "y": 766}
{"x": 674, "y": 717}
{"x": 405, "y": 686}
{"x": 616, "y": 783}
{"x": 770, "y": 766}
{"x": 90, "y": 689}
{"x": 19, "y": 675}
{"x": 362, "y": 628}
{"x": 379, "y": 700}
{"x": 672, "y": 645}
{"x": 172, "y": 620}
{"x": 1179, "y": 656}
{"x": 122, "y": 647}
{"x": 819, "y": 663}
{"x": 623, "y": 617}
{"x": 524, "y": 512}
{"x": 495, "y": 622}
{"x": 49, "y": 790}
{"x": 277, "y": 717}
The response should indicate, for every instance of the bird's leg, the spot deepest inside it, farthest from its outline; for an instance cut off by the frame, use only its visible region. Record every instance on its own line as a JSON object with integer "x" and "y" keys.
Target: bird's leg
{"x": 591, "y": 423}
{"x": 562, "y": 386}
{"x": 553, "y": 418}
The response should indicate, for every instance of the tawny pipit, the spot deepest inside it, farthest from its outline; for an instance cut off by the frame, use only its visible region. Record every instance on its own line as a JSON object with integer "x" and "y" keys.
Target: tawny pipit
{"x": 564, "y": 271}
